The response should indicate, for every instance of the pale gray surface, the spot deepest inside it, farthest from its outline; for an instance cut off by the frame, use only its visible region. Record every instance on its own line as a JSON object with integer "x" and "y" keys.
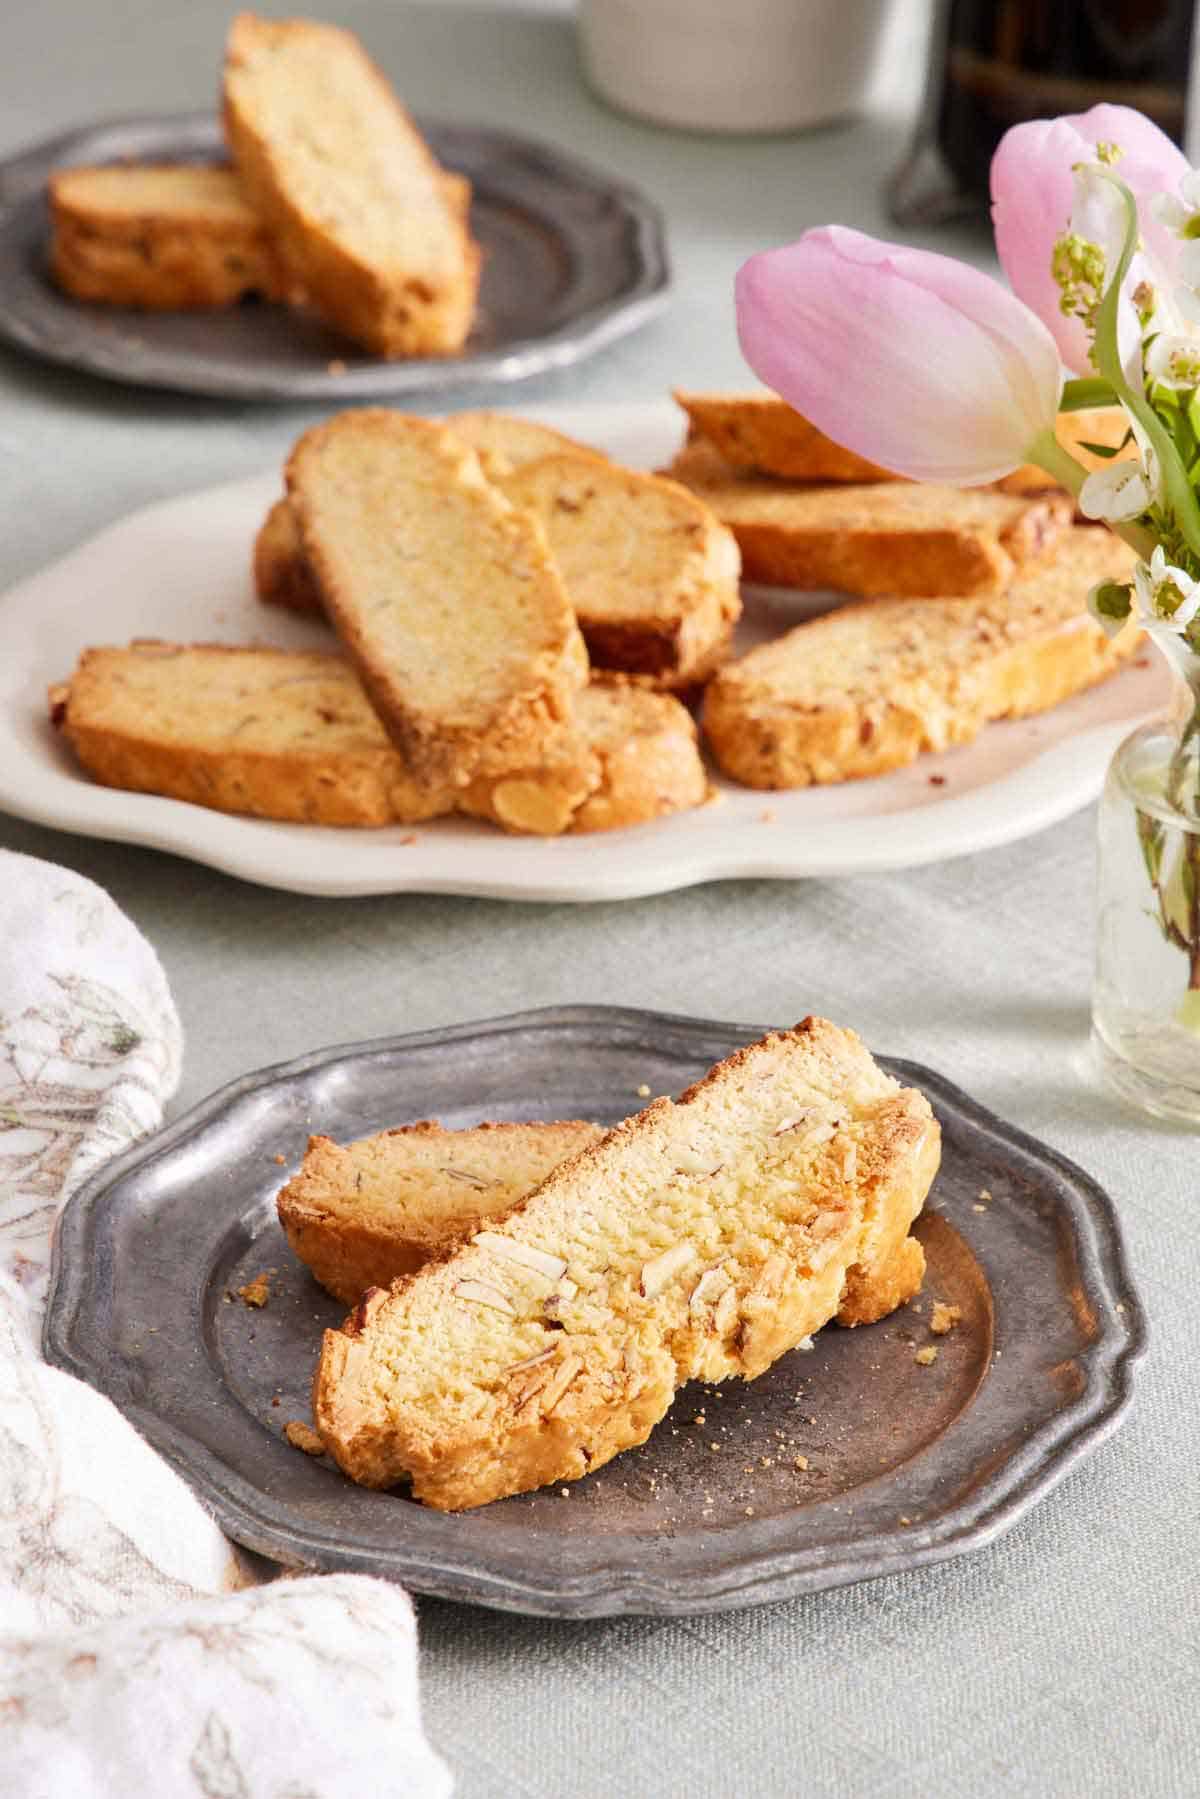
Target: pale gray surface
{"x": 1062, "y": 1661}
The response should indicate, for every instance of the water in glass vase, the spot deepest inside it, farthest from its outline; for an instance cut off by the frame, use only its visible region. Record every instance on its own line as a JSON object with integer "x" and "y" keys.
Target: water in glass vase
{"x": 1146, "y": 999}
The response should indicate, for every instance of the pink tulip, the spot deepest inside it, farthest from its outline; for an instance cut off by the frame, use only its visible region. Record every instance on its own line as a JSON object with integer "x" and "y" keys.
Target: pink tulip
{"x": 1033, "y": 192}
{"x": 915, "y": 361}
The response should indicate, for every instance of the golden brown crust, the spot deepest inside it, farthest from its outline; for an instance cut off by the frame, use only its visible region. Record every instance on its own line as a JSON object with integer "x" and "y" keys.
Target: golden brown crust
{"x": 296, "y": 95}
{"x": 362, "y": 1215}
{"x": 897, "y": 537}
{"x": 445, "y": 599}
{"x": 660, "y": 1261}
{"x": 271, "y": 733}
{"x": 866, "y": 688}
{"x": 160, "y": 238}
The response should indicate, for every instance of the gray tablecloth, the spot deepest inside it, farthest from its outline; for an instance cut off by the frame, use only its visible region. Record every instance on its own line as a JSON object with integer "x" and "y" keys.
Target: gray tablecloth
{"x": 1063, "y": 1660}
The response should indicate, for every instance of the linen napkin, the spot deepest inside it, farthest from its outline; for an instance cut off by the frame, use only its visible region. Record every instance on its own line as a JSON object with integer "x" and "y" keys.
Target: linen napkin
{"x": 137, "y": 1653}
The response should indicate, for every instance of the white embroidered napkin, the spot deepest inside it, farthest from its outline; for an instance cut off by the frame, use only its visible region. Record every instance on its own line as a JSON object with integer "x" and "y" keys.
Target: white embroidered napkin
{"x": 129, "y": 1663}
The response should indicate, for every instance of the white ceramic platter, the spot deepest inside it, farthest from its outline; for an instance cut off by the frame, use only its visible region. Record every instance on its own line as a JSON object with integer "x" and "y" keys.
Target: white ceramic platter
{"x": 180, "y": 570}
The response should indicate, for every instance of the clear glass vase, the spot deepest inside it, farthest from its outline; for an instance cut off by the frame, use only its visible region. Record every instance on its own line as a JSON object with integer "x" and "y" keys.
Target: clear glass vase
{"x": 1146, "y": 997}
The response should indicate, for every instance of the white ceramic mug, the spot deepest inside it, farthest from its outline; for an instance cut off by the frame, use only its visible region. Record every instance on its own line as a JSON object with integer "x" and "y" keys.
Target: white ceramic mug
{"x": 732, "y": 65}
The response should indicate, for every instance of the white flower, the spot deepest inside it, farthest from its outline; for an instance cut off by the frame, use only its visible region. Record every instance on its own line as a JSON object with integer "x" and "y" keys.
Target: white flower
{"x": 1167, "y": 594}
{"x": 1173, "y": 360}
{"x": 1177, "y": 213}
{"x": 1116, "y": 493}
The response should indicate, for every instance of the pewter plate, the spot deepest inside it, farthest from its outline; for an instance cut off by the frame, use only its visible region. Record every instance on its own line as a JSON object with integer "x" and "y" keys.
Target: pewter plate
{"x": 907, "y": 1464}
{"x": 572, "y": 260}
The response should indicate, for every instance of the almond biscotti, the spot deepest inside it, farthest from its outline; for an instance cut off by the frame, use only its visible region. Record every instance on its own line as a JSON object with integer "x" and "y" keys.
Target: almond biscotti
{"x": 362, "y": 1214}
{"x": 291, "y": 735}
{"x": 701, "y": 1238}
{"x": 503, "y": 443}
{"x": 161, "y": 237}
{"x": 760, "y": 434}
{"x": 284, "y": 734}
{"x": 650, "y": 570}
{"x": 365, "y": 223}
{"x": 888, "y": 537}
{"x": 866, "y": 688}
{"x": 444, "y": 596}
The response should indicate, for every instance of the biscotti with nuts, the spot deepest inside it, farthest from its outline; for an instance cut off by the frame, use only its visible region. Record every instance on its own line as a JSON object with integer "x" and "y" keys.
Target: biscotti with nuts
{"x": 364, "y": 221}
{"x": 887, "y": 537}
{"x": 651, "y": 572}
{"x": 503, "y": 443}
{"x": 291, "y": 735}
{"x": 866, "y": 688}
{"x": 361, "y": 1214}
{"x": 760, "y": 434}
{"x": 164, "y": 237}
{"x": 283, "y": 734}
{"x": 445, "y": 598}
{"x": 701, "y": 1238}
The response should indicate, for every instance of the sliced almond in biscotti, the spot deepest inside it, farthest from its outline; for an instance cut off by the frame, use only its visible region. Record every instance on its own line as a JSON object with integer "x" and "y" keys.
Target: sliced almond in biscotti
{"x": 888, "y": 537}
{"x": 444, "y": 596}
{"x": 362, "y": 1214}
{"x": 503, "y": 443}
{"x": 868, "y": 687}
{"x": 164, "y": 236}
{"x": 640, "y": 761}
{"x": 284, "y": 734}
{"x": 700, "y": 1238}
{"x": 367, "y": 225}
{"x": 652, "y": 574}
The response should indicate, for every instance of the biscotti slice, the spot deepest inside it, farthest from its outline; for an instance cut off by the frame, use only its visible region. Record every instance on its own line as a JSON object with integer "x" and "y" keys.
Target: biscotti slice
{"x": 284, "y": 734}
{"x": 364, "y": 221}
{"x": 363, "y": 1214}
{"x": 888, "y": 537}
{"x": 159, "y": 236}
{"x": 651, "y": 572}
{"x": 701, "y": 1238}
{"x": 760, "y": 434}
{"x": 866, "y": 688}
{"x": 445, "y": 598}
{"x": 503, "y": 444}
{"x": 641, "y": 761}
{"x": 291, "y": 735}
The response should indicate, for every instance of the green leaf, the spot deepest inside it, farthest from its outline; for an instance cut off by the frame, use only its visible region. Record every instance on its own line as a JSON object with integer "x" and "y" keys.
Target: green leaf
{"x": 1104, "y": 450}
{"x": 1087, "y": 391}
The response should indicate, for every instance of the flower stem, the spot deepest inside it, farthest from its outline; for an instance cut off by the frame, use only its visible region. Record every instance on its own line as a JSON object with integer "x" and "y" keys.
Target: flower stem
{"x": 1048, "y": 453}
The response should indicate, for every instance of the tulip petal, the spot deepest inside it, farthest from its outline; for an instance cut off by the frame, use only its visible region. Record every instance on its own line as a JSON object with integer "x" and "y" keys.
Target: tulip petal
{"x": 918, "y": 362}
{"x": 1032, "y": 194}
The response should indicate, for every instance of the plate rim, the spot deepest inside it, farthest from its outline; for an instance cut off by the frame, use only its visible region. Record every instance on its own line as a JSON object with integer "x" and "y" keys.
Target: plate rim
{"x": 997, "y": 1503}
{"x": 23, "y": 174}
{"x": 654, "y": 858}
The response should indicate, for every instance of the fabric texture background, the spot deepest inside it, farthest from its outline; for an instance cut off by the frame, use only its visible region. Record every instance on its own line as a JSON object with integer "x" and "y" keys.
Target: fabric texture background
{"x": 129, "y": 1663}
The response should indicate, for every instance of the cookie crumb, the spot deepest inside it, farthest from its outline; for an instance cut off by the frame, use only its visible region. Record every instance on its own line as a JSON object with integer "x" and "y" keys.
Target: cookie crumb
{"x": 335, "y": 366}
{"x": 927, "y": 1355}
{"x": 944, "y": 1318}
{"x": 985, "y": 1195}
{"x": 303, "y": 1436}
{"x": 801, "y": 1462}
{"x": 749, "y": 1511}
{"x": 978, "y": 1208}
{"x": 406, "y": 842}
{"x": 643, "y": 1092}
{"x": 255, "y": 1292}
{"x": 279, "y": 1161}
{"x": 566, "y": 1492}
{"x": 937, "y": 780}
{"x": 768, "y": 815}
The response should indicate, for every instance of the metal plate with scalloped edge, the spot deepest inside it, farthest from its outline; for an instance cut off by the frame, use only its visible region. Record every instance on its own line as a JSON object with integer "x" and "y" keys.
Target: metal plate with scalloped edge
{"x": 572, "y": 259}
{"x": 906, "y": 1464}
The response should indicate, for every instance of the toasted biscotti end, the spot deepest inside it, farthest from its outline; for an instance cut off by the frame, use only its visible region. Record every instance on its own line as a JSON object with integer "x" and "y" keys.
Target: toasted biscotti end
{"x": 363, "y": 1214}
{"x": 760, "y": 434}
{"x": 1107, "y": 426}
{"x": 890, "y": 537}
{"x": 281, "y": 574}
{"x": 364, "y": 220}
{"x": 701, "y": 1238}
{"x": 630, "y": 756}
{"x": 277, "y": 734}
{"x": 446, "y": 599}
{"x": 866, "y": 688}
{"x": 159, "y": 236}
{"x": 652, "y": 573}
{"x": 504, "y": 442}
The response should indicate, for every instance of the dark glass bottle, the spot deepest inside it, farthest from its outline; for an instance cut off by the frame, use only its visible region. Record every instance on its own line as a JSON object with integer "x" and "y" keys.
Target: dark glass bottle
{"x": 995, "y": 63}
